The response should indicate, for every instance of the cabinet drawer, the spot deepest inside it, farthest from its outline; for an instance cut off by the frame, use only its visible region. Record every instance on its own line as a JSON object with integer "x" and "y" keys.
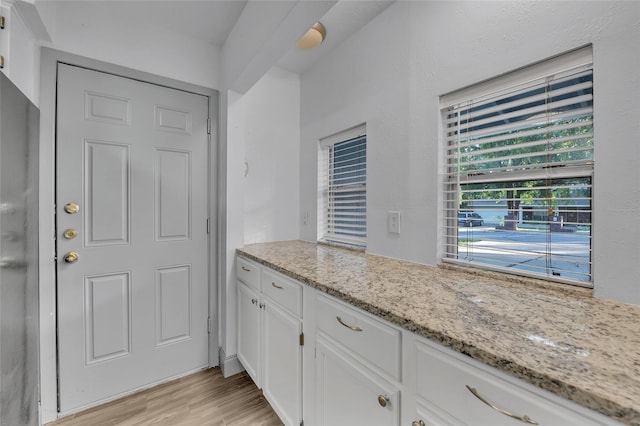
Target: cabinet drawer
{"x": 282, "y": 290}
{"x": 361, "y": 334}
{"x": 248, "y": 272}
{"x": 442, "y": 380}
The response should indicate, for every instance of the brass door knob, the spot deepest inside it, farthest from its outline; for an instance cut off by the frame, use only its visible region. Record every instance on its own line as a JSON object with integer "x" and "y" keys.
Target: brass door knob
{"x": 383, "y": 400}
{"x": 71, "y": 257}
{"x": 71, "y": 208}
{"x": 70, "y": 234}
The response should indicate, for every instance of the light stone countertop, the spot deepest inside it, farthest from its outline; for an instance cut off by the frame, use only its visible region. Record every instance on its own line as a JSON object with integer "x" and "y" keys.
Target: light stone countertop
{"x": 557, "y": 337}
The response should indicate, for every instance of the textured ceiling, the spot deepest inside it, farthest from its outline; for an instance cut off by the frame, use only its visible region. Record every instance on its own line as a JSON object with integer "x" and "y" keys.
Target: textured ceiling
{"x": 213, "y": 20}
{"x": 343, "y": 20}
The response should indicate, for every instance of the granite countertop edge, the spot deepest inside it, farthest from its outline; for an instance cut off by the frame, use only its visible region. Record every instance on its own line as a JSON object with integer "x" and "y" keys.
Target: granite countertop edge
{"x": 584, "y": 397}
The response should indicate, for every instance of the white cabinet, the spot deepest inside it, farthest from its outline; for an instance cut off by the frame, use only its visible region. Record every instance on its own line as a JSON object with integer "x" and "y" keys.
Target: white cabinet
{"x": 270, "y": 336}
{"x": 19, "y": 46}
{"x": 361, "y": 370}
{"x": 357, "y": 364}
{"x": 282, "y": 345}
{"x": 451, "y": 389}
{"x": 249, "y": 331}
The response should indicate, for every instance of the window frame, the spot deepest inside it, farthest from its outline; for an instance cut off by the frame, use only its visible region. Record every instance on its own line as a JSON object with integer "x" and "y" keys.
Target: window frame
{"x": 328, "y": 231}
{"x": 499, "y": 88}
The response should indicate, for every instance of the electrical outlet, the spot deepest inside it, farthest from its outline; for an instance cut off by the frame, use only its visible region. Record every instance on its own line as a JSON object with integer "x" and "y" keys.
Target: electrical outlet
{"x": 393, "y": 222}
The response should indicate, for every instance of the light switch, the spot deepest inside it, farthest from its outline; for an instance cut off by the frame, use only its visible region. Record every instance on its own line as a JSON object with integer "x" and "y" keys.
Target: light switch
{"x": 393, "y": 222}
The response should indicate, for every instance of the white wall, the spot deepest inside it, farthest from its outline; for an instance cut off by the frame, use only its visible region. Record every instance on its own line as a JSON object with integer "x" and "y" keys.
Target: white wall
{"x": 391, "y": 73}
{"x": 81, "y": 29}
{"x": 263, "y": 130}
{"x": 272, "y": 135}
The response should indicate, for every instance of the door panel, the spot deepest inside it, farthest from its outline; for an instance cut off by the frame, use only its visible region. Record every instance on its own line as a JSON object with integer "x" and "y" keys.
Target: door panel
{"x": 107, "y": 109}
{"x": 107, "y": 318}
{"x": 172, "y": 120}
{"x": 106, "y": 168}
{"x": 132, "y": 310}
{"x": 173, "y": 188}
{"x": 173, "y": 290}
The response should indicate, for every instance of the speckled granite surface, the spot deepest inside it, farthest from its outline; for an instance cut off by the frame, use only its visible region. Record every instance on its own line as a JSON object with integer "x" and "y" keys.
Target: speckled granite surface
{"x": 563, "y": 340}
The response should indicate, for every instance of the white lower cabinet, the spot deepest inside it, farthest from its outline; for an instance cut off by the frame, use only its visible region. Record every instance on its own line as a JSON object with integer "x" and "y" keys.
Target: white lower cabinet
{"x": 282, "y": 362}
{"x": 270, "y": 337}
{"x": 249, "y": 336}
{"x": 360, "y": 370}
{"x": 357, "y": 367}
{"x": 452, "y": 389}
{"x": 347, "y": 393}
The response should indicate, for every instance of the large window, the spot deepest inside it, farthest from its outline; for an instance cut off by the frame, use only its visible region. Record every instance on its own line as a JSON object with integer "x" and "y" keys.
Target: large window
{"x": 343, "y": 187}
{"x": 519, "y": 171}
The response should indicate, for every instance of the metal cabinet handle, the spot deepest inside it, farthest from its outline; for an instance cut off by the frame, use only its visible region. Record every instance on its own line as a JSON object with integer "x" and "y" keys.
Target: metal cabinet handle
{"x": 418, "y": 423}
{"x": 246, "y": 269}
{"x": 262, "y": 305}
{"x": 279, "y": 287}
{"x": 254, "y": 301}
{"x": 11, "y": 262}
{"x": 383, "y": 400}
{"x": 524, "y": 418}
{"x": 350, "y": 327}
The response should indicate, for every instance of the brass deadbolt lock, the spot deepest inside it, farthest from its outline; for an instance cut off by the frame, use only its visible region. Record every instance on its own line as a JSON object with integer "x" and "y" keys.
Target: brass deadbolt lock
{"x": 71, "y": 208}
{"x": 383, "y": 400}
{"x": 71, "y": 257}
{"x": 70, "y": 234}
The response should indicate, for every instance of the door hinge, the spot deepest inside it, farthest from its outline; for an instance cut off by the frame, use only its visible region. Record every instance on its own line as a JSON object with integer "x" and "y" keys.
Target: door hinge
{"x": 208, "y": 126}
{"x": 301, "y": 339}
{"x": 208, "y": 226}
{"x": 209, "y": 325}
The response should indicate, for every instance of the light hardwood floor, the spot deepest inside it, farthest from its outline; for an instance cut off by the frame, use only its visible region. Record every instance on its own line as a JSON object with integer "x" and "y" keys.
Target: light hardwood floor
{"x": 203, "y": 398}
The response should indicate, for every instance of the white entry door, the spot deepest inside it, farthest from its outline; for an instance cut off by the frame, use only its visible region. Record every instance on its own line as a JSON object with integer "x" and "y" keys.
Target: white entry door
{"x": 131, "y": 194}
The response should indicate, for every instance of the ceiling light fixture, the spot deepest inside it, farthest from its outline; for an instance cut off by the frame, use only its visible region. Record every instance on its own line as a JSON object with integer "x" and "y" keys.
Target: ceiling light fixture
{"x": 313, "y": 37}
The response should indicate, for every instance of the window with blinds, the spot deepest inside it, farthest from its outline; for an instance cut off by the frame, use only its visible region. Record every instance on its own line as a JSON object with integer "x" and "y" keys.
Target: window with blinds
{"x": 519, "y": 171}
{"x": 343, "y": 184}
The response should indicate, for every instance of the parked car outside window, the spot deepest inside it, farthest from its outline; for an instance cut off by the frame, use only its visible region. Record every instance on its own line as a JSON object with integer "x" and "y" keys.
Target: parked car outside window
{"x": 470, "y": 219}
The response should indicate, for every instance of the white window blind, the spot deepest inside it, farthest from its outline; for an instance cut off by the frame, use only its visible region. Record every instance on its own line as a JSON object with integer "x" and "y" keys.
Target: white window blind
{"x": 343, "y": 180}
{"x": 519, "y": 172}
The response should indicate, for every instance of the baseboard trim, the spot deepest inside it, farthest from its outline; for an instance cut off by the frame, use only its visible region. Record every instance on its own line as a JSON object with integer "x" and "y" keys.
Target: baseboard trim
{"x": 229, "y": 365}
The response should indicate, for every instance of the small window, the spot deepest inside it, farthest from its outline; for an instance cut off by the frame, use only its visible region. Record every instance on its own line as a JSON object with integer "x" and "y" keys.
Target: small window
{"x": 519, "y": 171}
{"x": 343, "y": 188}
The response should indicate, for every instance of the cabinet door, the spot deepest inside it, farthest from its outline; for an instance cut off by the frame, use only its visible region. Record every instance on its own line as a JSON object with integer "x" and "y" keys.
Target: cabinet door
{"x": 282, "y": 362}
{"x": 349, "y": 394}
{"x": 249, "y": 331}
{"x": 445, "y": 386}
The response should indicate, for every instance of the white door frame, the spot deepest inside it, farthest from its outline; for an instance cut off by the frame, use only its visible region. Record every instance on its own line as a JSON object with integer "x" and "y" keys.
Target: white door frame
{"x": 47, "y": 265}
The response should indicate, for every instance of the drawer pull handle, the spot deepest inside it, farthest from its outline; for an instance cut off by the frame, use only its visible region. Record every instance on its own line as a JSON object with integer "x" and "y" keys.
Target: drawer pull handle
{"x": 254, "y": 301}
{"x": 418, "y": 423}
{"x": 246, "y": 269}
{"x": 279, "y": 287}
{"x": 383, "y": 400}
{"x": 350, "y": 327}
{"x": 524, "y": 418}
